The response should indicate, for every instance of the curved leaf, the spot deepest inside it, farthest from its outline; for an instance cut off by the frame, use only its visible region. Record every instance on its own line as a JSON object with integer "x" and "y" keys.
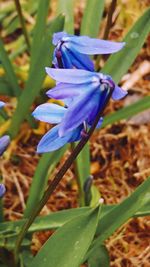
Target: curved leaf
{"x": 68, "y": 245}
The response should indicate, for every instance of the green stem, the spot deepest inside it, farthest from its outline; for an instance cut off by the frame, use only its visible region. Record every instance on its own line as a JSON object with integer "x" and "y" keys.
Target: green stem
{"x": 55, "y": 182}
{"x": 78, "y": 180}
{"x": 107, "y": 28}
{"x": 22, "y": 22}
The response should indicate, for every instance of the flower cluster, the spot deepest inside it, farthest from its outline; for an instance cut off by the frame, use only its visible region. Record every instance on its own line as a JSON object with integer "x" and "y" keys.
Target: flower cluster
{"x": 4, "y": 142}
{"x": 84, "y": 92}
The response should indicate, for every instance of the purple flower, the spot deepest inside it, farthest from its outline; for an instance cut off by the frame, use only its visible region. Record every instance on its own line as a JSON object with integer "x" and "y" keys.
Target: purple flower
{"x": 4, "y": 143}
{"x": 72, "y": 51}
{"x": 51, "y": 141}
{"x": 2, "y": 190}
{"x": 90, "y": 92}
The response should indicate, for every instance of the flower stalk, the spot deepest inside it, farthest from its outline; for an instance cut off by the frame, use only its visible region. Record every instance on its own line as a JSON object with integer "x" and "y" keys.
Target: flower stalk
{"x": 56, "y": 181}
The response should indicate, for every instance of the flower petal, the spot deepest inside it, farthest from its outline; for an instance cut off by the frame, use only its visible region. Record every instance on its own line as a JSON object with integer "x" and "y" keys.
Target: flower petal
{"x": 65, "y": 90}
{"x": 58, "y": 37}
{"x": 50, "y": 113}
{"x": 51, "y": 141}
{"x": 2, "y": 190}
{"x": 91, "y": 46}
{"x": 4, "y": 142}
{"x": 81, "y": 61}
{"x": 66, "y": 58}
{"x": 2, "y": 104}
{"x": 77, "y": 113}
{"x": 73, "y": 76}
{"x": 118, "y": 93}
{"x": 99, "y": 124}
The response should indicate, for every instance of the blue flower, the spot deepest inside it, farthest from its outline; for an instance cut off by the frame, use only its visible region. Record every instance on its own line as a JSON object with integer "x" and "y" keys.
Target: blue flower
{"x": 4, "y": 143}
{"x": 51, "y": 141}
{"x": 2, "y": 104}
{"x": 2, "y": 190}
{"x": 5, "y": 140}
{"x": 72, "y": 51}
{"x": 90, "y": 92}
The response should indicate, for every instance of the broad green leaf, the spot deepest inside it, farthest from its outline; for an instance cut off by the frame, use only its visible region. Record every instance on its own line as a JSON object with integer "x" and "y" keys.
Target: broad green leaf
{"x": 100, "y": 257}
{"x": 120, "y": 214}
{"x": 46, "y": 165}
{"x": 10, "y": 74}
{"x": 36, "y": 78}
{"x": 66, "y": 7}
{"x": 68, "y": 245}
{"x": 39, "y": 30}
{"x": 56, "y": 219}
{"x": 119, "y": 63}
{"x": 92, "y": 17}
{"x": 128, "y": 111}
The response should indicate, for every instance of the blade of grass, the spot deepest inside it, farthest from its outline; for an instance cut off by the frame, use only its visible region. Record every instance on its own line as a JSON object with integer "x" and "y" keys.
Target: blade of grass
{"x": 11, "y": 77}
{"x": 92, "y": 17}
{"x": 22, "y": 22}
{"x": 46, "y": 165}
{"x": 39, "y": 31}
{"x": 66, "y": 7}
{"x": 36, "y": 78}
{"x": 82, "y": 171}
{"x": 119, "y": 63}
{"x": 56, "y": 219}
{"x": 5, "y": 88}
{"x": 121, "y": 214}
{"x": 127, "y": 112}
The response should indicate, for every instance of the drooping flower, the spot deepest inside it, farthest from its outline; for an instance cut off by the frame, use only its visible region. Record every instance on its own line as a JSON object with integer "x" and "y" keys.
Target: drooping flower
{"x": 90, "y": 92}
{"x": 51, "y": 141}
{"x": 2, "y": 190}
{"x": 72, "y": 51}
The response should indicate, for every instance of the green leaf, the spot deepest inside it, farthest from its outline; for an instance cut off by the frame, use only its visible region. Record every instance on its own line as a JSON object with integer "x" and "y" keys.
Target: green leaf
{"x": 92, "y": 18}
{"x": 10, "y": 74}
{"x": 46, "y": 165}
{"x": 39, "y": 31}
{"x": 99, "y": 257}
{"x": 36, "y": 78}
{"x": 119, "y": 63}
{"x": 68, "y": 245}
{"x": 56, "y": 219}
{"x": 82, "y": 171}
{"x": 5, "y": 88}
{"x": 120, "y": 214}
{"x": 127, "y": 112}
{"x": 66, "y": 7}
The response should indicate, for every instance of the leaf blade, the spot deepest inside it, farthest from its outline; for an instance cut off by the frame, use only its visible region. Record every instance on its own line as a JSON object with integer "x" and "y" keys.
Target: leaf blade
{"x": 63, "y": 249}
{"x": 92, "y": 18}
{"x": 134, "y": 41}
